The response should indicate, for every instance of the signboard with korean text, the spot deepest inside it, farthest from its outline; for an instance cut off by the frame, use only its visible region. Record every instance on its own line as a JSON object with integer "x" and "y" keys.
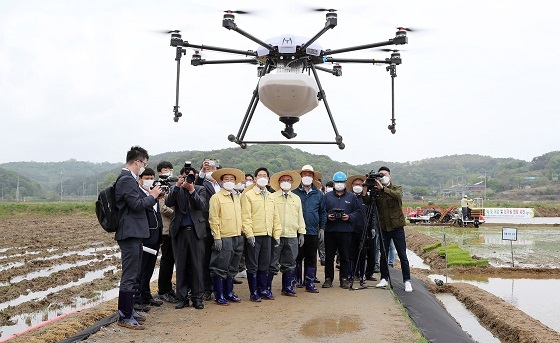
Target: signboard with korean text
{"x": 509, "y": 212}
{"x": 509, "y": 234}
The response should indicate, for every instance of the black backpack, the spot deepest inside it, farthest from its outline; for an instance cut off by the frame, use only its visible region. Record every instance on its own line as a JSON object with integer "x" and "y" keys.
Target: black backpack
{"x": 106, "y": 209}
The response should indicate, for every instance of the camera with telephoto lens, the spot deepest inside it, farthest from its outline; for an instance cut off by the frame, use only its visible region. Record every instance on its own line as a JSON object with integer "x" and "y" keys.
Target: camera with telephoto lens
{"x": 165, "y": 182}
{"x": 337, "y": 213}
{"x": 189, "y": 178}
{"x": 371, "y": 178}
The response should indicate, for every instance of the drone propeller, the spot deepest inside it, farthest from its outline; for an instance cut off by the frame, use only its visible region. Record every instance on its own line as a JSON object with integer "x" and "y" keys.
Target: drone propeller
{"x": 323, "y": 9}
{"x": 390, "y": 50}
{"x": 406, "y": 29}
{"x": 238, "y": 12}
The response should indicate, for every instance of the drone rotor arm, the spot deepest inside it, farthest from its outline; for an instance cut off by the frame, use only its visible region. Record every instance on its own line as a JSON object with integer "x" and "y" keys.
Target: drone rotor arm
{"x": 359, "y": 47}
{"x": 220, "y": 49}
{"x": 356, "y": 60}
{"x": 198, "y": 62}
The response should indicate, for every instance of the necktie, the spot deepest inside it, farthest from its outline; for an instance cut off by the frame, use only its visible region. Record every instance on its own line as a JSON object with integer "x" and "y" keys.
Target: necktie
{"x": 263, "y": 192}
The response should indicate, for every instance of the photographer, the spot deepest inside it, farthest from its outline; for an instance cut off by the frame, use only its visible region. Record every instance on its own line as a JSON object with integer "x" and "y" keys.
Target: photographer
{"x": 188, "y": 231}
{"x": 343, "y": 211}
{"x": 388, "y": 199}
{"x": 167, "y": 261}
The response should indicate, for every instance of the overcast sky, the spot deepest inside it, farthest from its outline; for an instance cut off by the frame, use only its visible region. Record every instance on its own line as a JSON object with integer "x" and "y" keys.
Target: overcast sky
{"x": 89, "y": 79}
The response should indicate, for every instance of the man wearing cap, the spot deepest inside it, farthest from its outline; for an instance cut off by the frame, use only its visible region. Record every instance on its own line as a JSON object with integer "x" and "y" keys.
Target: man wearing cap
{"x": 343, "y": 212}
{"x": 465, "y": 204}
{"x": 290, "y": 214}
{"x": 226, "y": 225}
{"x": 392, "y": 222}
{"x": 315, "y": 216}
{"x": 261, "y": 225}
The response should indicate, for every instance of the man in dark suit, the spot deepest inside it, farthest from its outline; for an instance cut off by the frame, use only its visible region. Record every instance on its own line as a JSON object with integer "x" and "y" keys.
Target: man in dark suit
{"x": 133, "y": 227}
{"x": 212, "y": 186}
{"x": 149, "y": 257}
{"x": 188, "y": 233}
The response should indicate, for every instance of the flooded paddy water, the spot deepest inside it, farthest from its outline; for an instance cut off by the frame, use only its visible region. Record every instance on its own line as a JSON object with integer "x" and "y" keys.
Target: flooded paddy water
{"x": 530, "y": 287}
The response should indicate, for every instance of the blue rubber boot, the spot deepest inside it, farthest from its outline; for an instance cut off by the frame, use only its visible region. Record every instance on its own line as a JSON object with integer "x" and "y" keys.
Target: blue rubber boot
{"x": 228, "y": 291}
{"x": 219, "y": 291}
{"x": 309, "y": 280}
{"x": 265, "y": 278}
{"x": 288, "y": 284}
{"x": 252, "y": 281}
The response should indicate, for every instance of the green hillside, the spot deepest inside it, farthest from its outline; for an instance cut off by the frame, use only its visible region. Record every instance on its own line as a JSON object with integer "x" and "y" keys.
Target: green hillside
{"x": 505, "y": 177}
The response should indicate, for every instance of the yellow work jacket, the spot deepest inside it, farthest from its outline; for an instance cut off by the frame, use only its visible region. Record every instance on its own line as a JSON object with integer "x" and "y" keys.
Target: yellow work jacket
{"x": 259, "y": 216}
{"x": 290, "y": 213}
{"x": 225, "y": 215}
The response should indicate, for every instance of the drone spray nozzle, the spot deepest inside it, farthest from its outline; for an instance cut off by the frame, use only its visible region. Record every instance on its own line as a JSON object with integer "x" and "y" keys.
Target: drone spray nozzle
{"x": 288, "y": 132}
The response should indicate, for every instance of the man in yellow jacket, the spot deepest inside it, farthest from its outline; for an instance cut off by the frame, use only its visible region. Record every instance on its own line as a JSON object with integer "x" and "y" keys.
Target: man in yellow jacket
{"x": 290, "y": 213}
{"x": 225, "y": 224}
{"x": 261, "y": 225}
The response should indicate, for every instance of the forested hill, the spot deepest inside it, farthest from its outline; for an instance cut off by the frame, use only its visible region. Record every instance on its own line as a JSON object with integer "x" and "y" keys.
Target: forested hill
{"x": 430, "y": 174}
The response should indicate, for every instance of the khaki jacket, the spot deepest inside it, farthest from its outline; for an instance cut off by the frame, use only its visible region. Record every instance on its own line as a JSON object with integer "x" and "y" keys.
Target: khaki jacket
{"x": 291, "y": 214}
{"x": 259, "y": 215}
{"x": 389, "y": 208}
{"x": 166, "y": 214}
{"x": 225, "y": 215}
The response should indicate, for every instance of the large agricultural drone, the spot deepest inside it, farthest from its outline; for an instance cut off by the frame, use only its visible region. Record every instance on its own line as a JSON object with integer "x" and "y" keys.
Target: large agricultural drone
{"x": 291, "y": 91}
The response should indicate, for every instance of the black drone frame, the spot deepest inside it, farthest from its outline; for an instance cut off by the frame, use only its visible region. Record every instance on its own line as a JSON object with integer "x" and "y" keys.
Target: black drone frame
{"x": 268, "y": 63}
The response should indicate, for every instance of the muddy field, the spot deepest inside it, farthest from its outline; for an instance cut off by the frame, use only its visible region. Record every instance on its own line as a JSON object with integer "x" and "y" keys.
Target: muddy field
{"x": 51, "y": 265}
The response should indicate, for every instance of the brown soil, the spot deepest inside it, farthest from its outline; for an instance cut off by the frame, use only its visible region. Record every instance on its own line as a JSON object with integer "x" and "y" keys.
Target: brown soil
{"x": 332, "y": 315}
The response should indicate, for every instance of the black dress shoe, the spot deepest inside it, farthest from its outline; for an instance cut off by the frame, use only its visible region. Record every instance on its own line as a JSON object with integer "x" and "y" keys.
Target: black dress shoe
{"x": 181, "y": 304}
{"x": 207, "y": 297}
{"x": 237, "y": 282}
{"x": 168, "y": 297}
{"x": 141, "y": 307}
{"x": 155, "y": 302}
{"x": 198, "y": 304}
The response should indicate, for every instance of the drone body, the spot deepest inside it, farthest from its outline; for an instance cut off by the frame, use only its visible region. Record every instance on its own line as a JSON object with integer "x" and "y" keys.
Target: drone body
{"x": 287, "y": 69}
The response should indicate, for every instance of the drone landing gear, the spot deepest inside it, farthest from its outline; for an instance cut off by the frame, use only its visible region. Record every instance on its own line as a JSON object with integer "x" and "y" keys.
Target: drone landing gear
{"x": 289, "y": 130}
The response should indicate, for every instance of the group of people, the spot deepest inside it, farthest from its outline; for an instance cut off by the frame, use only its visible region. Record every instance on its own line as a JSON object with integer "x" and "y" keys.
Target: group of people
{"x": 209, "y": 219}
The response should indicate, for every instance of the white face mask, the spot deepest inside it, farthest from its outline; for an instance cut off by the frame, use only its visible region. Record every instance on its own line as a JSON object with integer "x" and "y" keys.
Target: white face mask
{"x": 209, "y": 176}
{"x": 147, "y": 184}
{"x": 228, "y": 186}
{"x": 239, "y": 186}
{"x": 328, "y": 189}
{"x": 286, "y": 186}
{"x": 141, "y": 171}
{"x": 357, "y": 189}
{"x": 385, "y": 180}
{"x": 262, "y": 182}
{"x": 339, "y": 186}
{"x": 248, "y": 183}
{"x": 167, "y": 174}
{"x": 307, "y": 180}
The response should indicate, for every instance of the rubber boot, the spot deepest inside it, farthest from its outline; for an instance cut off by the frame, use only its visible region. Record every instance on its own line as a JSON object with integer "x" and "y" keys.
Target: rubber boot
{"x": 288, "y": 284}
{"x": 219, "y": 291}
{"x": 125, "y": 306}
{"x": 309, "y": 280}
{"x": 252, "y": 281}
{"x": 265, "y": 279}
{"x": 299, "y": 280}
{"x": 228, "y": 290}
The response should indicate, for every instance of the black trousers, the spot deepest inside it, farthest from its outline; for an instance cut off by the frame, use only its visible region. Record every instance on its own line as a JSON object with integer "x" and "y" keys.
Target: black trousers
{"x": 372, "y": 256}
{"x": 166, "y": 264}
{"x": 188, "y": 248}
{"x": 340, "y": 241}
{"x": 147, "y": 267}
{"x": 131, "y": 260}
{"x": 208, "y": 242}
{"x": 356, "y": 260}
{"x": 308, "y": 252}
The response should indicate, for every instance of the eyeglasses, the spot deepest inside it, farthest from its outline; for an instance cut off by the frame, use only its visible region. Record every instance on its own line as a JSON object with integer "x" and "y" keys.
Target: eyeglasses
{"x": 145, "y": 163}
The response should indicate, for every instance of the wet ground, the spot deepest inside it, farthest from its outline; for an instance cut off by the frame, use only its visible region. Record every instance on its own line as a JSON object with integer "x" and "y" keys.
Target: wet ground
{"x": 50, "y": 266}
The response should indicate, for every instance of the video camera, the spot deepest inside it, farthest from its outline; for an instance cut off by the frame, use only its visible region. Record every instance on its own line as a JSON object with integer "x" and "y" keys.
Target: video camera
{"x": 371, "y": 178}
{"x": 165, "y": 182}
{"x": 337, "y": 213}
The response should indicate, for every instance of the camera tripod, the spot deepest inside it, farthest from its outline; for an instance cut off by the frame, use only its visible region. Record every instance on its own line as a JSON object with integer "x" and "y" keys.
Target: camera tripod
{"x": 371, "y": 211}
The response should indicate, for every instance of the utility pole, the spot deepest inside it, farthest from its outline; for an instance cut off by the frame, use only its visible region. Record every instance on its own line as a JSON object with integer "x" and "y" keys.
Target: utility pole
{"x": 17, "y": 189}
{"x": 61, "y": 186}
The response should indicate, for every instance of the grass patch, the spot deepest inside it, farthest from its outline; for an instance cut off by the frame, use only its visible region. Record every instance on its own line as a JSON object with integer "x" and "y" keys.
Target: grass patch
{"x": 49, "y": 208}
{"x": 459, "y": 257}
{"x": 431, "y": 246}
